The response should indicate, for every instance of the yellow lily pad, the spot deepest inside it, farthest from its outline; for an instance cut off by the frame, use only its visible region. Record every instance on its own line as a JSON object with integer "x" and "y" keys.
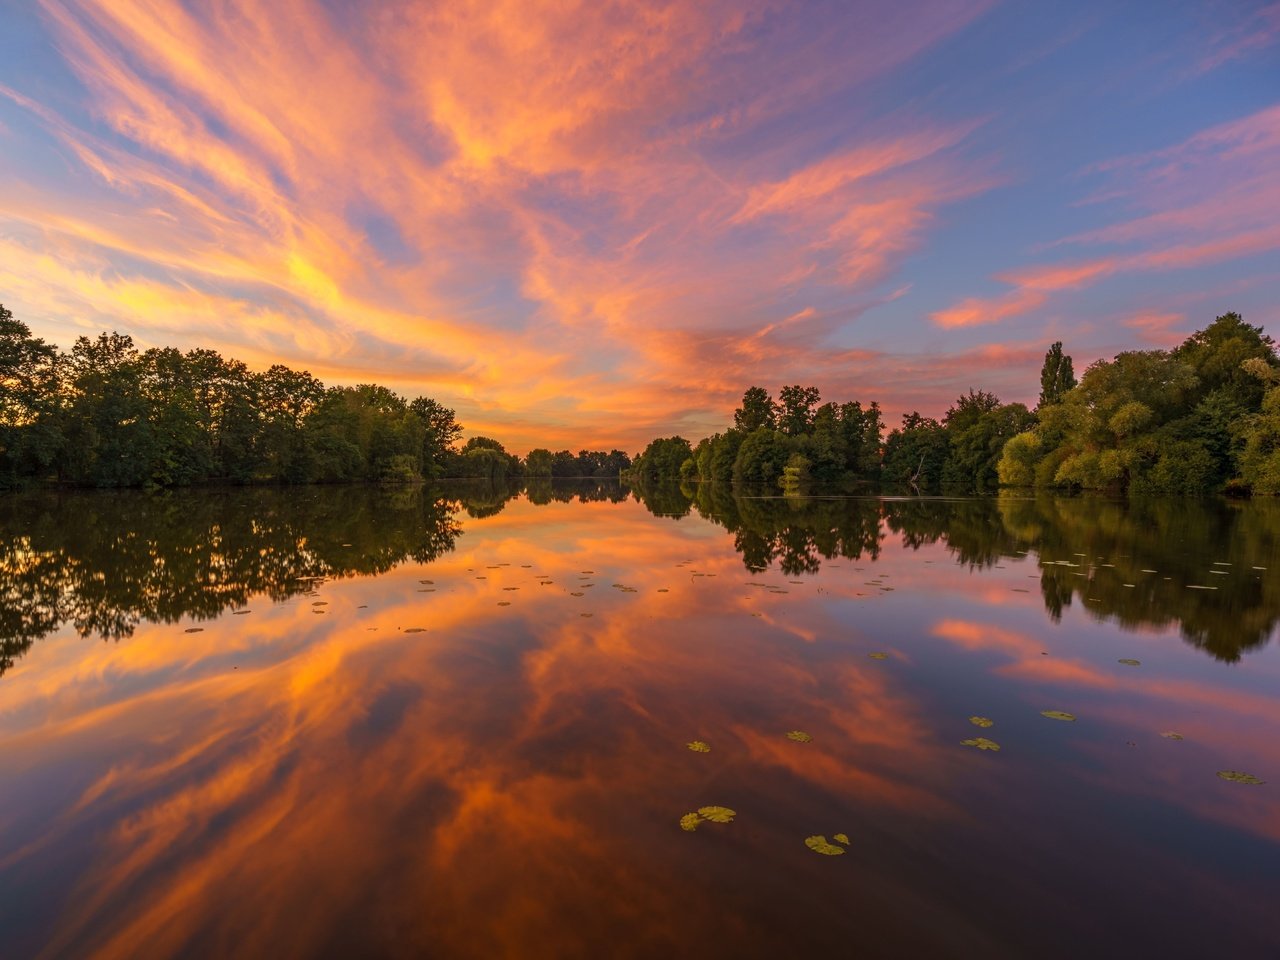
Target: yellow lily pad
{"x": 690, "y": 822}
{"x": 982, "y": 722}
{"x": 799, "y": 736}
{"x": 1170, "y": 735}
{"x": 717, "y": 814}
{"x": 818, "y": 844}
{"x": 982, "y": 743}
{"x": 699, "y": 746}
{"x": 1057, "y": 715}
{"x": 841, "y": 838}
{"x": 416, "y": 630}
{"x": 878, "y": 656}
{"x": 1129, "y": 662}
{"x": 1235, "y": 776}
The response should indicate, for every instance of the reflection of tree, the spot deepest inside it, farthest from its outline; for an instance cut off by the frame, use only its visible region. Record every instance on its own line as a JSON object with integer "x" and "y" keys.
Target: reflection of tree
{"x": 664, "y": 498}
{"x": 106, "y": 562}
{"x": 796, "y": 532}
{"x": 971, "y": 527}
{"x": 1182, "y": 540}
{"x": 544, "y": 490}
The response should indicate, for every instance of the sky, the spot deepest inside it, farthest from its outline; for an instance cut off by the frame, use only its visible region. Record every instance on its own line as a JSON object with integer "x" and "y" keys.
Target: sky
{"x": 587, "y": 224}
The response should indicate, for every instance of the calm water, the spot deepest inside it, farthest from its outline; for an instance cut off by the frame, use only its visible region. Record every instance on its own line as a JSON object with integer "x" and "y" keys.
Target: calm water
{"x": 453, "y": 723}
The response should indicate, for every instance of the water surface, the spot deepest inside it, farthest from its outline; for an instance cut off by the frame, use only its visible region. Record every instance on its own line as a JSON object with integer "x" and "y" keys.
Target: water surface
{"x": 454, "y": 723}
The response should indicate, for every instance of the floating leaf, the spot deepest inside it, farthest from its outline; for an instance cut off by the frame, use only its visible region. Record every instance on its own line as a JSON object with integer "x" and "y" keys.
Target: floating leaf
{"x": 1170, "y": 735}
{"x": 841, "y": 838}
{"x": 416, "y": 630}
{"x": 194, "y": 630}
{"x": 799, "y": 736}
{"x": 504, "y": 603}
{"x": 982, "y": 722}
{"x": 699, "y": 746}
{"x": 1129, "y": 662}
{"x": 241, "y": 613}
{"x": 1057, "y": 715}
{"x": 982, "y": 743}
{"x": 320, "y": 603}
{"x": 690, "y": 822}
{"x": 819, "y": 844}
{"x": 878, "y": 656}
{"x": 1235, "y": 776}
{"x": 718, "y": 814}
{"x": 576, "y": 594}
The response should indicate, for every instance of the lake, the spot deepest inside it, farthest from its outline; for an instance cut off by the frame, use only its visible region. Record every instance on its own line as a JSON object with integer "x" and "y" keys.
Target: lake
{"x": 576, "y": 720}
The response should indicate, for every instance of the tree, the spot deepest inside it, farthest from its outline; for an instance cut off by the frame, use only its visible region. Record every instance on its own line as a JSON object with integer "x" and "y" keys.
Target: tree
{"x": 762, "y": 457}
{"x": 29, "y": 439}
{"x": 538, "y": 463}
{"x": 441, "y": 432}
{"x": 1056, "y": 376}
{"x": 795, "y": 409}
{"x": 757, "y": 410}
{"x": 662, "y": 458}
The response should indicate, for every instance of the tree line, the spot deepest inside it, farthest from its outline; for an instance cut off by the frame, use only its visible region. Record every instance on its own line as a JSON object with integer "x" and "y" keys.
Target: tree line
{"x": 107, "y": 414}
{"x": 1200, "y": 418}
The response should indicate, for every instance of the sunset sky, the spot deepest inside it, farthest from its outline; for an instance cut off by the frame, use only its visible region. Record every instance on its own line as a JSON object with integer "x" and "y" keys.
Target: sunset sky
{"x": 589, "y": 224}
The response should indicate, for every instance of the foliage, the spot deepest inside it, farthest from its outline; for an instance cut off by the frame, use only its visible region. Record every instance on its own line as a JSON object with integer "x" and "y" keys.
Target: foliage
{"x": 662, "y": 459}
{"x": 1190, "y": 420}
{"x": 1056, "y": 376}
{"x": 109, "y": 415}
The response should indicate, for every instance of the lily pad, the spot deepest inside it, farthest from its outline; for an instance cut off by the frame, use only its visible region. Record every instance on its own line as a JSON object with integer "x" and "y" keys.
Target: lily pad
{"x": 504, "y": 603}
{"x": 1170, "y": 735}
{"x": 982, "y": 743}
{"x": 878, "y": 656}
{"x": 1235, "y": 776}
{"x": 717, "y": 814}
{"x": 841, "y": 838}
{"x": 799, "y": 736}
{"x": 818, "y": 844}
{"x": 1057, "y": 715}
{"x": 194, "y": 630}
{"x": 416, "y": 630}
{"x": 982, "y": 721}
{"x": 690, "y": 822}
{"x": 699, "y": 746}
{"x": 1128, "y": 662}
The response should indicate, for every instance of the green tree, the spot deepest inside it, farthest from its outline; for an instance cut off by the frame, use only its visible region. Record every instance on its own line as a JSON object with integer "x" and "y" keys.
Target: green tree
{"x": 441, "y": 432}
{"x": 796, "y": 409}
{"x": 662, "y": 458}
{"x": 757, "y": 410}
{"x": 1056, "y": 376}
{"x": 538, "y": 463}
{"x": 762, "y": 457}
{"x": 29, "y": 438}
